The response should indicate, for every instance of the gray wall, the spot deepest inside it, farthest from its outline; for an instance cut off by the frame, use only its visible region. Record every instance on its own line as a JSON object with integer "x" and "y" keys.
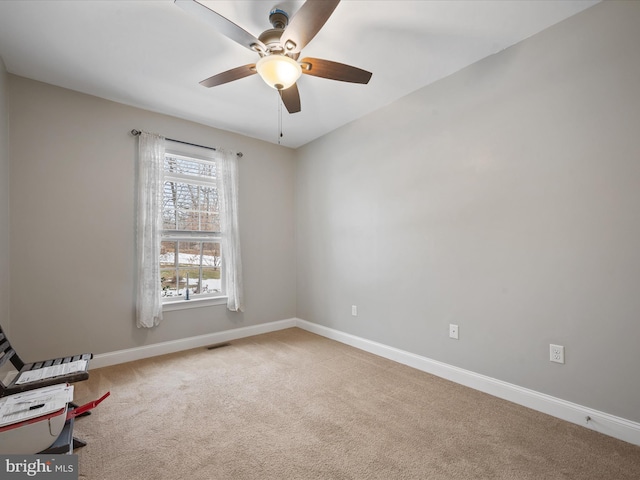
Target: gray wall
{"x": 72, "y": 165}
{"x": 4, "y": 201}
{"x": 505, "y": 199}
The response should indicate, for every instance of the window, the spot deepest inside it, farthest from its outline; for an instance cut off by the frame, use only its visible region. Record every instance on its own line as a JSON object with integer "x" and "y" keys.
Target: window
{"x": 190, "y": 252}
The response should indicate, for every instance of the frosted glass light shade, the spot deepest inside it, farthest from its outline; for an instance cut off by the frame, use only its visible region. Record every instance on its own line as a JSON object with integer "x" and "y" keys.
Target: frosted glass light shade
{"x": 278, "y": 71}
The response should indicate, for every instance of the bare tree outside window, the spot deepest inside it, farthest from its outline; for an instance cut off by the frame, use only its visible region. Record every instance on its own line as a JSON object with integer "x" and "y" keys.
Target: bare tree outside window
{"x": 190, "y": 257}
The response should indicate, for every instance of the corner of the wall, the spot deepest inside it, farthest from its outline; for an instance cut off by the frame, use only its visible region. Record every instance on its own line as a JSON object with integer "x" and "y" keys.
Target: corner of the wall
{"x": 5, "y": 285}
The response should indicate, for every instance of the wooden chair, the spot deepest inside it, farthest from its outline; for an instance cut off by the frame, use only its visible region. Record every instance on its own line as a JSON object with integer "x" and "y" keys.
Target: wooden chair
{"x": 8, "y": 354}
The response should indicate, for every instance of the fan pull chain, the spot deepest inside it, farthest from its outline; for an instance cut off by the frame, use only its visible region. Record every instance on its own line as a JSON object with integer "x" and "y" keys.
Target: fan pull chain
{"x": 280, "y": 135}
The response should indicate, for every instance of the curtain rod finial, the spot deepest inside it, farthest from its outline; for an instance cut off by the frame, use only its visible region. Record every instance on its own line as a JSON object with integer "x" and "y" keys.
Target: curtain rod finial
{"x": 135, "y": 132}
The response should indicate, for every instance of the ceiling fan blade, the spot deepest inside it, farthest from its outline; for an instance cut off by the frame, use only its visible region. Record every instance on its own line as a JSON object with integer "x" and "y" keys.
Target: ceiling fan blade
{"x": 306, "y": 23}
{"x": 230, "y": 75}
{"x": 291, "y": 98}
{"x": 334, "y": 70}
{"x": 221, "y": 24}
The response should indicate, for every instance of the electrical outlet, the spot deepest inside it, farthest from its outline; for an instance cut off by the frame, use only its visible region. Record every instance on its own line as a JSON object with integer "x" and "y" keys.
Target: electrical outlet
{"x": 354, "y": 310}
{"x": 556, "y": 353}
{"x": 453, "y": 331}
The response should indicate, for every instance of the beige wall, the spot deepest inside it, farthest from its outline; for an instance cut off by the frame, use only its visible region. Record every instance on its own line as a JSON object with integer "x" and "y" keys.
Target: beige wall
{"x": 4, "y": 201}
{"x": 72, "y": 225}
{"x": 505, "y": 199}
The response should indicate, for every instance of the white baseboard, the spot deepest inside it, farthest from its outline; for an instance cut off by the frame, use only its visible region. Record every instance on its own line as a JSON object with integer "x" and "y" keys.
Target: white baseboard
{"x": 602, "y": 422}
{"x": 138, "y": 353}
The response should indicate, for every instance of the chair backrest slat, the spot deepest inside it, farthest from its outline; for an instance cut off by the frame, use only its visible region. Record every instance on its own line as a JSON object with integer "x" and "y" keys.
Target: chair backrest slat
{"x": 7, "y": 353}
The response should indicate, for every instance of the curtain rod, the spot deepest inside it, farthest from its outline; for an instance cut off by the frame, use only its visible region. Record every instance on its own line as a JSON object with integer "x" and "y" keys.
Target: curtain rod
{"x": 135, "y": 133}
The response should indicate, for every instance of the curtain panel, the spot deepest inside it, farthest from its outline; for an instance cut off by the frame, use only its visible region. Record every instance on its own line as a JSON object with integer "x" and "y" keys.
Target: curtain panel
{"x": 228, "y": 191}
{"x": 151, "y": 148}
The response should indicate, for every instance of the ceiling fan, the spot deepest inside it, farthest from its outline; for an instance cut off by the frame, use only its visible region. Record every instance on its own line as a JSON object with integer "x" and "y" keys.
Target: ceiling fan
{"x": 279, "y": 49}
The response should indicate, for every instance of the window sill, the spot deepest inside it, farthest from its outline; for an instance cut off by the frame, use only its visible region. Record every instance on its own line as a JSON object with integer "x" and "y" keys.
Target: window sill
{"x": 193, "y": 303}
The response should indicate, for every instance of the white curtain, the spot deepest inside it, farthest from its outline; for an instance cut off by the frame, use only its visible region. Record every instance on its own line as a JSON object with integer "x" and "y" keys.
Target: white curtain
{"x": 149, "y": 229}
{"x": 227, "y": 175}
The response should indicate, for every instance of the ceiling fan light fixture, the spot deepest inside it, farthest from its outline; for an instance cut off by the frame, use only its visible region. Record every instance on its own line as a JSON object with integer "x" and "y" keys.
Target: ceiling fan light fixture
{"x": 278, "y": 71}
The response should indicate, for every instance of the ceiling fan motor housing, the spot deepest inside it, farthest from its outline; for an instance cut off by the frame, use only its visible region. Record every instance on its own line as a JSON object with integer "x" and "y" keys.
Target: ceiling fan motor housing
{"x": 271, "y": 38}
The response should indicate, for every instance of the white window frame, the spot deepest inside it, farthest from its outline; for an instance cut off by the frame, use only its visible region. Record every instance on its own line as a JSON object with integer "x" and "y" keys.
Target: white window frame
{"x": 200, "y": 300}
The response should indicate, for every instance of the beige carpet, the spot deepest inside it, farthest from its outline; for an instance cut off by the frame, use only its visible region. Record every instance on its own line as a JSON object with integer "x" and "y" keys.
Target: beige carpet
{"x": 293, "y": 405}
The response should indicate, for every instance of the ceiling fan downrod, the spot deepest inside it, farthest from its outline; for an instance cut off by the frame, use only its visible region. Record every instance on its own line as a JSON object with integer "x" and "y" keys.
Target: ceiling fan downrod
{"x": 278, "y": 18}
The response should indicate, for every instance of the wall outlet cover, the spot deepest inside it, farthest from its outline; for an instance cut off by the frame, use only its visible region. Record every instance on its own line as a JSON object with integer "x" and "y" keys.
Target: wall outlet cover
{"x": 453, "y": 331}
{"x": 556, "y": 353}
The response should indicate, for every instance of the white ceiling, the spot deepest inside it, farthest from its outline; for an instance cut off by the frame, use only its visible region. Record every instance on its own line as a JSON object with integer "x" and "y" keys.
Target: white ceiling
{"x": 152, "y": 54}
